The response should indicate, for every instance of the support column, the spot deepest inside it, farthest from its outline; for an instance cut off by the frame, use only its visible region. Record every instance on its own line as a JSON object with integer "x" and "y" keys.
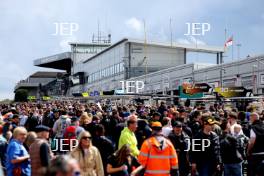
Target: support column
{"x": 217, "y": 58}
{"x": 184, "y": 55}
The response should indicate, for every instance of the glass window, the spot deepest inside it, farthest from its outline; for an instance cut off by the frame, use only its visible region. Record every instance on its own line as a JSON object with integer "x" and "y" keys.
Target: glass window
{"x": 121, "y": 66}
{"x": 108, "y": 71}
{"x": 103, "y": 71}
{"x": 112, "y": 70}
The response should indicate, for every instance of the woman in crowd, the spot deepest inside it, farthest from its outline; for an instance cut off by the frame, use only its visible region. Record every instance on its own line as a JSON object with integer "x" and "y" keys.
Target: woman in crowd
{"x": 85, "y": 120}
{"x": 88, "y": 156}
{"x": 17, "y": 161}
{"x": 122, "y": 163}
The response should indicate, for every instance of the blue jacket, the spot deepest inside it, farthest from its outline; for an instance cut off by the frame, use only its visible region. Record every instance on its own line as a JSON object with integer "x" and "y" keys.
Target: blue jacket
{"x": 16, "y": 149}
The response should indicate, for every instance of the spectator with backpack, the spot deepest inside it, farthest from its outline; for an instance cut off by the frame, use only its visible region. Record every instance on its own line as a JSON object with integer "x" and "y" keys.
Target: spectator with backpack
{"x": 72, "y": 132}
{"x": 59, "y": 128}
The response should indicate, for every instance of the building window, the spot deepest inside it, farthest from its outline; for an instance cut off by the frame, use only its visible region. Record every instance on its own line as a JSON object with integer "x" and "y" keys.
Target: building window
{"x": 121, "y": 67}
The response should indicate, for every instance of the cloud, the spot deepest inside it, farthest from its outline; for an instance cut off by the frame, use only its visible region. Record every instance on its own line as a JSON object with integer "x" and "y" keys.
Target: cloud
{"x": 134, "y": 24}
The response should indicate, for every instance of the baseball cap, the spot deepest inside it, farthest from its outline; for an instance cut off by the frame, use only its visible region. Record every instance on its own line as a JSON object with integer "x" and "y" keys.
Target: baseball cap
{"x": 177, "y": 124}
{"x": 74, "y": 119}
{"x": 210, "y": 121}
{"x": 156, "y": 126}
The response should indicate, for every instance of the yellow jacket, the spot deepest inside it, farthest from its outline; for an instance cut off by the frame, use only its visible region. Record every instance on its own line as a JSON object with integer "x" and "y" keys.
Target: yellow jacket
{"x": 128, "y": 137}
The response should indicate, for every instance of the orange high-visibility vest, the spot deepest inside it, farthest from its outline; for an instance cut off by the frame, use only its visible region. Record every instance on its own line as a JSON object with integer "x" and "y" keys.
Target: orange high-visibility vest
{"x": 157, "y": 161}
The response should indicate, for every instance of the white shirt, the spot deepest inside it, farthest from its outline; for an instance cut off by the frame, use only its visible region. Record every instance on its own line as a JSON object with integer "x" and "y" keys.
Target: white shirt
{"x": 22, "y": 120}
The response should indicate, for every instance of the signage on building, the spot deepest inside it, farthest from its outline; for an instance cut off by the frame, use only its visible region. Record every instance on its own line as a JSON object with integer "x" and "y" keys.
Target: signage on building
{"x": 46, "y": 98}
{"x": 261, "y": 79}
{"x": 229, "y": 92}
{"x": 214, "y": 84}
{"x": 119, "y": 91}
{"x": 184, "y": 94}
{"x": 85, "y": 94}
{"x": 196, "y": 88}
{"x": 31, "y": 98}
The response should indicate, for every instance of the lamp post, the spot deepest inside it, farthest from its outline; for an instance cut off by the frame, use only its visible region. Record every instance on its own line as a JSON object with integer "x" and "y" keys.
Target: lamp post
{"x": 163, "y": 83}
{"x": 254, "y": 84}
{"x": 221, "y": 77}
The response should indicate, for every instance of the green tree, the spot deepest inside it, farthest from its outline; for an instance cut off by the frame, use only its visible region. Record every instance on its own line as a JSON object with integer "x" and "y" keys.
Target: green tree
{"x": 21, "y": 95}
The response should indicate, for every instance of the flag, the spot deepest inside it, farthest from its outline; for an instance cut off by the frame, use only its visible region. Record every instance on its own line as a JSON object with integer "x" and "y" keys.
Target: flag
{"x": 229, "y": 42}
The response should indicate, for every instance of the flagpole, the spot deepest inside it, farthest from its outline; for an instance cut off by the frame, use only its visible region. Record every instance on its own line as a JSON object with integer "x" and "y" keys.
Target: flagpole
{"x": 233, "y": 48}
{"x": 225, "y": 40}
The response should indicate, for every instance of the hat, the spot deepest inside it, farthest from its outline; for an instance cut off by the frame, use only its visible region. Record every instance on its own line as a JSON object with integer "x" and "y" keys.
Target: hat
{"x": 157, "y": 114}
{"x": 210, "y": 121}
{"x": 177, "y": 124}
{"x": 74, "y": 119}
{"x": 41, "y": 128}
{"x": 55, "y": 110}
{"x": 156, "y": 126}
{"x": 181, "y": 109}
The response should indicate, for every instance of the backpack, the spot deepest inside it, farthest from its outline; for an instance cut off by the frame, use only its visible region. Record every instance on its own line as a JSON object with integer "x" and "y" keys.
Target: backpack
{"x": 70, "y": 133}
{"x": 62, "y": 125}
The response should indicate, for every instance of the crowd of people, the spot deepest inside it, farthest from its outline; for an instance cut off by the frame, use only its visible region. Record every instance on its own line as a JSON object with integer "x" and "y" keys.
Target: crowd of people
{"x": 72, "y": 138}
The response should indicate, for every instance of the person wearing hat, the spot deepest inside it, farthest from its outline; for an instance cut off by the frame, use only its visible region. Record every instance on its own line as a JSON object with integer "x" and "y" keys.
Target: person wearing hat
{"x": 156, "y": 117}
{"x": 157, "y": 154}
{"x": 205, "y": 157}
{"x": 181, "y": 141}
{"x": 40, "y": 151}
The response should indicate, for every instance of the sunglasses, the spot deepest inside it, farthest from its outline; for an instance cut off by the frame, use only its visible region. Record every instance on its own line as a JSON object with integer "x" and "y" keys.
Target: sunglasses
{"x": 77, "y": 173}
{"x": 87, "y": 137}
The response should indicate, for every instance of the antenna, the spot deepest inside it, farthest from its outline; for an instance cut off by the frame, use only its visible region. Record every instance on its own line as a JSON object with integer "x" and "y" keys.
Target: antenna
{"x": 238, "y": 50}
{"x": 98, "y": 31}
{"x": 101, "y": 39}
{"x": 170, "y": 32}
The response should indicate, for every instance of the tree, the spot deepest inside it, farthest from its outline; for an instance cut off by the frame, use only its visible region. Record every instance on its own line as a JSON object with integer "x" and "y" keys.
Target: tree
{"x": 21, "y": 95}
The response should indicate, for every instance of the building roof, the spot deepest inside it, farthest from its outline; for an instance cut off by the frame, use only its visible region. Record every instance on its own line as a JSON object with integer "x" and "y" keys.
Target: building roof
{"x": 189, "y": 48}
{"x": 61, "y": 61}
{"x": 46, "y": 74}
{"x": 89, "y": 44}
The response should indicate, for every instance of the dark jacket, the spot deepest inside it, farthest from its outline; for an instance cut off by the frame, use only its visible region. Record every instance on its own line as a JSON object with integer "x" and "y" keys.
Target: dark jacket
{"x": 105, "y": 147}
{"x": 258, "y": 128}
{"x": 181, "y": 144}
{"x": 231, "y": 150}
{"x": 210, "y": 154}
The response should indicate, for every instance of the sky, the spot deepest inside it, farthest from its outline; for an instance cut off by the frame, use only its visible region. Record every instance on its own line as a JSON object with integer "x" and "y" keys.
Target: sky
{"x": 27, "y": 28}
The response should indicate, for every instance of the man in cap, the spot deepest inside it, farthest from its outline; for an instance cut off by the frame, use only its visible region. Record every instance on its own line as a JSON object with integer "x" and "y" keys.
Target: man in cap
{"x": 40, "y": 152}
{"x": 181, "y": 143}
{"x": 157, "y": 154}
{"x": 156, "y": 117}
{"x": 205, "y": 151}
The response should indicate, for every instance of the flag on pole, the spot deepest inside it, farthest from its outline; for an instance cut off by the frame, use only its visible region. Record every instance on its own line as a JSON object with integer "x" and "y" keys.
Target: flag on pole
{"x": 229, "y": 42}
